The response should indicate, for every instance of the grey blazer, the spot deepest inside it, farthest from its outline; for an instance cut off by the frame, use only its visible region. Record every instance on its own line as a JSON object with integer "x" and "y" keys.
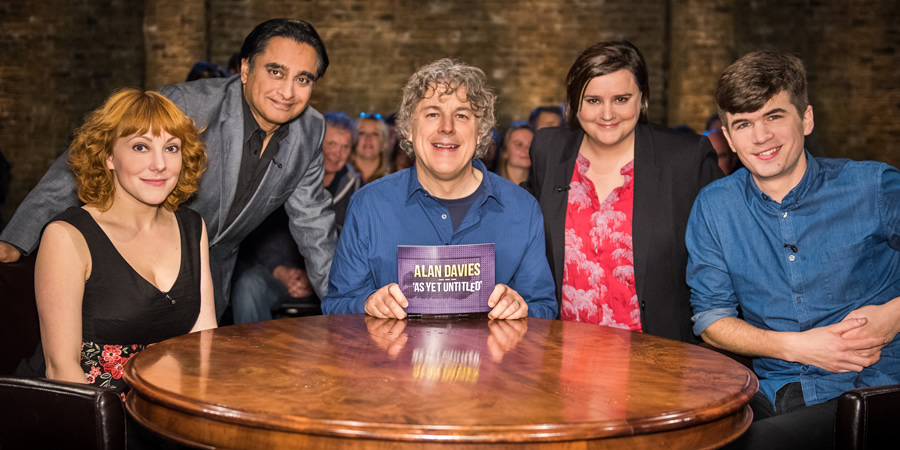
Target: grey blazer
{"x": 294, "y": 179}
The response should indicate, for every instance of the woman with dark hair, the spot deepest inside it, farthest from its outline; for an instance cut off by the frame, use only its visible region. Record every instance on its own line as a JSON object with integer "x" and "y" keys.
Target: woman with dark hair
{"x": 616, "y": 192}
{"x": 129, "y": 268}
{"x": 514, "y": 160}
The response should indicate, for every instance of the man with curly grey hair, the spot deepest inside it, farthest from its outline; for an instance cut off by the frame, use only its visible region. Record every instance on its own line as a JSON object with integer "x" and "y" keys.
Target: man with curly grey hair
{"x": 447, "y": 198}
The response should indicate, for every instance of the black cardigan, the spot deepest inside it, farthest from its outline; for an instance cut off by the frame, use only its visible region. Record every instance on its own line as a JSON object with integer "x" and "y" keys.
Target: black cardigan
{"x": 669, "y": 171}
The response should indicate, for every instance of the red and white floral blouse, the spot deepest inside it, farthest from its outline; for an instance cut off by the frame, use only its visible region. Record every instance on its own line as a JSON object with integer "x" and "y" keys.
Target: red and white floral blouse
{"x": 598, "y": 282}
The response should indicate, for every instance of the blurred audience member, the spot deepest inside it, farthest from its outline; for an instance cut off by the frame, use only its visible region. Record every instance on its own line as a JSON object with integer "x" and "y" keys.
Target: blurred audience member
{"x": 206, "y": 69}
{"x": 515, "y": 161}
{"x": 340, "y": 179}
{"x": 234, "y": 64}
{"x": 402, "y": 160}
{"x": 370, "y": 155}
{"x": 545, "y": 116}
{"x": 684, "y": 129}
{"x": 728, "y": 160}
{"x": 493, "y": 154}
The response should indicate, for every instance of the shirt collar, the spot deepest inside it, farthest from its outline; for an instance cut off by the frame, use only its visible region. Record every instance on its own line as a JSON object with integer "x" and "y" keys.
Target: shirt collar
{"x": 811, "y": 180}
{"x": 489, "y": 188}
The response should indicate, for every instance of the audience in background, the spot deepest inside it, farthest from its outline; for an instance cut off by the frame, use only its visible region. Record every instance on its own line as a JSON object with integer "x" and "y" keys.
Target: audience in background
{"x": 546, "y": 116}
{"x": 135, "y": 160}
{"x": 340, "y": 179}
{"x": 369, "y": 157}
{"x": 616, "y": 192}
{"x": 515, "y": 162}
{"x": 728, "y": 161}
{"x": 446, "y": 118}
{"x": 206, "y": 69}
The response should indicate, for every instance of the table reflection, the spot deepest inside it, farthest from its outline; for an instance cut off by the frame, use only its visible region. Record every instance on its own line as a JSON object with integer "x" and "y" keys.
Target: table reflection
{"x": 447, "y": 350}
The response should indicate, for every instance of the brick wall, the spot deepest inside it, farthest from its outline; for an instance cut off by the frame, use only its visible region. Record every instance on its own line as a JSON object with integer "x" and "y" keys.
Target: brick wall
{"x": 61, "y": 58}
{"x": 58, "y": 60}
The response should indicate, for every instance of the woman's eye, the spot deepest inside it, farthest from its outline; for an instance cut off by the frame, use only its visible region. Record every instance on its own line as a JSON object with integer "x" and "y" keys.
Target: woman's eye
{"x": 139, "y": 147}
{"x": 173, "y": 149}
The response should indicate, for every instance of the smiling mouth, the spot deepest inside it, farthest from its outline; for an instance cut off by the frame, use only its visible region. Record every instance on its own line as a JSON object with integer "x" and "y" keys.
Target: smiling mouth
{"x": 446, "y": 146}
{"x": 281, "y": 105}
{"x": 154, "y": 182}
{"x": 768, "y": 153}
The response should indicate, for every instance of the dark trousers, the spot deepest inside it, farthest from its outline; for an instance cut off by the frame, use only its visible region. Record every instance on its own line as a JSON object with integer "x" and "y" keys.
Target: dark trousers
{"x": 790, "y": 424}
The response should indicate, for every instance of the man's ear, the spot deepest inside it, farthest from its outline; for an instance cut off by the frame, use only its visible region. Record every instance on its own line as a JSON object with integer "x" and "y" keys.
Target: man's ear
{"x": 808, "y": 121}
{"x": 727, "y": 136}
{"x": 245, "y": 70}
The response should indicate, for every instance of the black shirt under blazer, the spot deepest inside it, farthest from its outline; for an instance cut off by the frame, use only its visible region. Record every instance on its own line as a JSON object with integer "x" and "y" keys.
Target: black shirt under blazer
{"x": 669, "y": 171}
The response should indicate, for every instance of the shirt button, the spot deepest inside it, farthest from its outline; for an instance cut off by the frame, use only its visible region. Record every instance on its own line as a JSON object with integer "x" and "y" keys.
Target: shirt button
{"x": 443, "y": 216}
{"x": 784, "y": 215}
{"x": 643, "y": 305}
{"x": 791, "y": 258}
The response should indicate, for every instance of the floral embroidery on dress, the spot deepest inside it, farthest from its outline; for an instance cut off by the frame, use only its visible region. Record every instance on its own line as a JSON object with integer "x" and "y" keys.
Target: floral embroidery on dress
{"x": 104, "y": 365}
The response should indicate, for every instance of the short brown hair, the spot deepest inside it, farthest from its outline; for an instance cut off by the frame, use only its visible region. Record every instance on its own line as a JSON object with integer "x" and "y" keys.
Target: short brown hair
{"x": 601, "y": 59}
{"x": 125, "y": 113}
{"x": 445, "y": 76}
{"x": 747, "y": 84}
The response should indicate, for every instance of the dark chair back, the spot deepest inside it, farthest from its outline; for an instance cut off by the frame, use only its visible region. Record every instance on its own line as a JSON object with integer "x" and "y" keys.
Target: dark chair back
{"x": 18, "y": 313}
{"x": 41, "y": 413}
{"x": 867, "y": 417}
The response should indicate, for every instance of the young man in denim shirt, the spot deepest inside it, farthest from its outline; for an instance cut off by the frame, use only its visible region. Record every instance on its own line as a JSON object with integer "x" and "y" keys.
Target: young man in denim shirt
{"x": 794, "y": 260}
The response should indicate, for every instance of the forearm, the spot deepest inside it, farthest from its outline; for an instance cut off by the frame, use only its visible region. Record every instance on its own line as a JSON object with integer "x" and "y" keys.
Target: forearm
{"x": 53, "y": 194}
{"x": 68, "y": 370}
{"x": 345, "y": 304}
{"x": 312, "y": 226}
{"x": 738, "y": 336}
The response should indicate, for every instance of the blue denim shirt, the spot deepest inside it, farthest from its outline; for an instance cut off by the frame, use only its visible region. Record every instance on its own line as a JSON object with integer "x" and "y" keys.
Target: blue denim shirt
{"x": 396, "y": 210}
{"x": 843, "y": 221}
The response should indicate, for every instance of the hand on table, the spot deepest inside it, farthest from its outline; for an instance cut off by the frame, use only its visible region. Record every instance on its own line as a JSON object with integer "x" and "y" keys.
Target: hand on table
{"x": 295, "y": 280}
{"x": 387, "y": 302}
{"x": 506, "y": 303}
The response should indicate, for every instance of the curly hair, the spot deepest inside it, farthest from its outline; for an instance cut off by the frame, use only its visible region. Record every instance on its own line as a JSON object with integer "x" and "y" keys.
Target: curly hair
{"x": 444, "y": 77}
{"x": 125, "y": 113}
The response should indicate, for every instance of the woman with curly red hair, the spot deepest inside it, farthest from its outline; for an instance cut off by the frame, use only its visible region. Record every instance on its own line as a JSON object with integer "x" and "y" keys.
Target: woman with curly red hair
{"x": 129, "y": 268}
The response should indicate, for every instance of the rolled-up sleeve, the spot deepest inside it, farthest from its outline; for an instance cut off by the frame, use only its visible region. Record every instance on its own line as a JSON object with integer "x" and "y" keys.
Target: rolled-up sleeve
{"x": 712, "y": 292}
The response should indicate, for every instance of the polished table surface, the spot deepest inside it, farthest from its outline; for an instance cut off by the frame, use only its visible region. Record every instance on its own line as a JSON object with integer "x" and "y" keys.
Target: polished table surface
{"x": 353, "y": 381}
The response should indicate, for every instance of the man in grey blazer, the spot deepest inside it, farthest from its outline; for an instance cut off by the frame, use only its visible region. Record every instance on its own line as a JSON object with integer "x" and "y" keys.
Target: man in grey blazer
{"x": 264, "y": 147}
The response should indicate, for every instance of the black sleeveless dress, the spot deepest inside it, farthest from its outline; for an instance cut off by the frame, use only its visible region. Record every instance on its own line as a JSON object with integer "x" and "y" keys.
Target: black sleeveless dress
{"x": 123, "y": 313}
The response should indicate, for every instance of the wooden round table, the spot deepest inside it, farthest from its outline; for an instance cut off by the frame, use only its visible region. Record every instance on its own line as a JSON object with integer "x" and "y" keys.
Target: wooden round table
{"x": 354, "y": 381}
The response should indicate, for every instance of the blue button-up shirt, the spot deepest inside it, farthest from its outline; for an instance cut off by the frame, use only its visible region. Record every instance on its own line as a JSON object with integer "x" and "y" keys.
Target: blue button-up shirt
{"x": 830, "y": 247}
{"x": 397, "y": 210}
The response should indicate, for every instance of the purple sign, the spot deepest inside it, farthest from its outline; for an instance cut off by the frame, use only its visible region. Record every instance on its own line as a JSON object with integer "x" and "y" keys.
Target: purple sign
{"x": 446, "y": 279}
